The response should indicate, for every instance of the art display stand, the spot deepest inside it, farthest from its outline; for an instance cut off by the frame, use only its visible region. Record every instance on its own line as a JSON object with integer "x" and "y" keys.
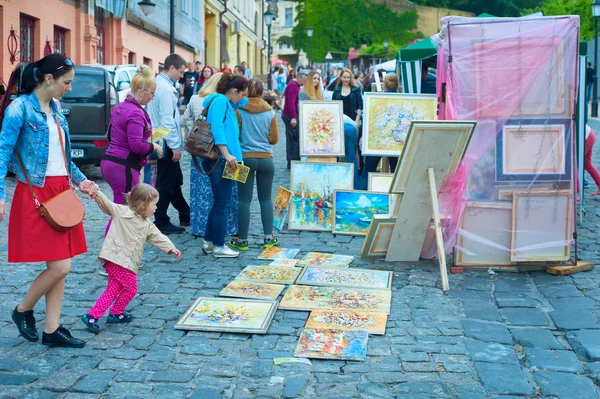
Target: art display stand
{"x": 438, "y": 229}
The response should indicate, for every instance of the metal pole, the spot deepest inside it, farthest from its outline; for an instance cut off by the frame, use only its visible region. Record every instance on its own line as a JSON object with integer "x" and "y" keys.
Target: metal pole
{"x": 309, "y": 51}
{"x": 269, "y": 83}
{"x": 595, "y": 87}
{"x": 172, "y": 41}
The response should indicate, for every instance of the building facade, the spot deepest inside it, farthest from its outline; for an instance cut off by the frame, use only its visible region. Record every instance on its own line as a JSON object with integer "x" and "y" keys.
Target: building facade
{"x": 282, "y": 27}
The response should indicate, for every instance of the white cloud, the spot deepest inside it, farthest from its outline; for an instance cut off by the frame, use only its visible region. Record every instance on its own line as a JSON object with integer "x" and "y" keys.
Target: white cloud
{"x": 363, "y": 202}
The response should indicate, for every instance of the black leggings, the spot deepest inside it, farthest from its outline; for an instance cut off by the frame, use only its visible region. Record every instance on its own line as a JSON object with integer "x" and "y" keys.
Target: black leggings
{"x": 264, "y": 170}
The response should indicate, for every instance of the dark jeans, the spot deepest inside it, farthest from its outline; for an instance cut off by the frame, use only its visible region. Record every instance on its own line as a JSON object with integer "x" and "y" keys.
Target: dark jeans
{"x": 222, "y": 190}
{"x": 168, "y": 183}
{"x": 265, "y": 171}
{"x": 370, "y": 165}
{"x": 350, "y": 147}
{"x": 292, "y": 140}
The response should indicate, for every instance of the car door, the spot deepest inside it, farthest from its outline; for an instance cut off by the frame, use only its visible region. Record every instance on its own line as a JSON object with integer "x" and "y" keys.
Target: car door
{"x": 123, "y": 84}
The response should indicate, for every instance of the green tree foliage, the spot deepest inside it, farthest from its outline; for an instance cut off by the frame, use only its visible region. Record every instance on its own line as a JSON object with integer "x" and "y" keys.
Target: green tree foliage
{"x": 499, "y": 8}
{"x": 583, "y": 8}
{"x": 341, "y": 24}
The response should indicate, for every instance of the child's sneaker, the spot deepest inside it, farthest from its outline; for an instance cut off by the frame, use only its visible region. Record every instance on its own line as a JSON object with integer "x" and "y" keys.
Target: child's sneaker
{"x": 271, "y": 242}
{"x": 119, "y": 318}
{"x": 240, "y": 245}
{"x": 90, "y": 323}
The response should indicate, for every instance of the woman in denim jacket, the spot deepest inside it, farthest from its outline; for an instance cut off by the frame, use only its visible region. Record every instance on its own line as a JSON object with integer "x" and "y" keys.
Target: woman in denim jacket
{"x": 31, "y": 127}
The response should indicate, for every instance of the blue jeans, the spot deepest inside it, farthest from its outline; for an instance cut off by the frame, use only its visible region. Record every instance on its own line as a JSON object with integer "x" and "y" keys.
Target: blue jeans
{"x": 222, "y": 191}
{"x": 370, "y": 166}
{"x": 350, "y": 147}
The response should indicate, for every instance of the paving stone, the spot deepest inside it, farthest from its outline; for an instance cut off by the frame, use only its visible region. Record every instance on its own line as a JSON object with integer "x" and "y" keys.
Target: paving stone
{"x": 524, "y": 317}
{"x": 258, "y": 368}
{"x": 574, "y": 319}
{"x": 206, "y": 393}
{"x": 555, "y": 360}
{"x": 490, "y": 352}
{"x": 293, "y": 387}
{"x": 38, "y": 394}
{"x": 170, "y": 391}
{"x": 133, "y": 376}
{"x": 128, "y": 388}
{"x": 586, "y": 343}
{"x": 516, "y": 300}
{"x": 16, "y": 379}
{"x": 560, "y": 291}
{"x": 94, "y": 382}
{"x": 414, "y": 357}
{"x": 519, "y": 284}
{"x": 503, "y": 378}
{"x": 264, "y": 341}
{"x": 572, "y": 303}
{"x": 10, "y": 365}
{"x": 172, "y": 376}
{"x": 420, "y": 387}
{"x": 387, "y": 377}
{"x": 565, "y": 385}
{"x": 535, "y": 338}
{"x": 485, "y": 331}
{"x": 369, "y": 390}
{"x": 482, "y": 311}
{"x": 379, "y": 364}
{"x": 476, "y": 284}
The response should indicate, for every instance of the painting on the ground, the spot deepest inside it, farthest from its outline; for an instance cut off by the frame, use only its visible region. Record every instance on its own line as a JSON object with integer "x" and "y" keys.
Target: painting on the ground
{"x": 360, "y": 278}
{"x": 321, "y": 128}
{"x": 304, "y": 297}
{"x": 284, "y": 262}
{"x": 252, "y": 290}
{"x": 312, "y": 186}
{"x": 269, "y": 274}
{"x": 280, "y": 207}
{"x": 325, "y": 259}
{"x": 387, "y": 119}
{"x": 332, "y": 344}
{"x": 278, "y": 253}
{"x": 353, "y": 210}
{"x": 371, "y": 322}
{"x": 228, "y": 315}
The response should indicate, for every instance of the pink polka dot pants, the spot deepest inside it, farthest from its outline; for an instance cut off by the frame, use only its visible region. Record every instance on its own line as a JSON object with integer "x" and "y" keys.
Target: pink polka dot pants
{"x": 121, "y": 289}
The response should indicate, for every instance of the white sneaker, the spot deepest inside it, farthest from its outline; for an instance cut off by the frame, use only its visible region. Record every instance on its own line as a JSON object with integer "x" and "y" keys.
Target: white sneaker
{"x": 224, "y": 252}
{"x": 207, "y": 247}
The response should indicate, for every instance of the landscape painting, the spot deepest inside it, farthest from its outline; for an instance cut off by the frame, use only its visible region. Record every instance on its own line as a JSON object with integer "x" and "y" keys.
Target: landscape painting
{"x": 313, "y": 185}
{"x": 332, "y": 344}
{"x": 325, "y": 259}
{"x": 252, "y": 290}
{"x": 361, "y": 278}
{"x": 269, "y": 274}
{"x": 280, "y": 207}
{"x": 371, "y": 322}
{"x": 304, "y": 297}
{"x": 353, "y": 210}
{"x": 278, "y": 253}
{"x": 321, "y": 128}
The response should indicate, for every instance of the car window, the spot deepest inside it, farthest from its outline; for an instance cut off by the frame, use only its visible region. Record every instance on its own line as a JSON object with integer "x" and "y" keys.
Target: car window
{"x": 86, "y": 89}
{"x": 123, "y": 77}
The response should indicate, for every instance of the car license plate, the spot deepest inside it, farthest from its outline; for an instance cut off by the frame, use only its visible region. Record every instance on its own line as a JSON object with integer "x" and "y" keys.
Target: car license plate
{"x": 77, "y": 154}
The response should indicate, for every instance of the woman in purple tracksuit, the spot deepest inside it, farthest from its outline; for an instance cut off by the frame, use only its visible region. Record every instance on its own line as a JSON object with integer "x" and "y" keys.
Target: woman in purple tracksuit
{"x": 129, "y": 131}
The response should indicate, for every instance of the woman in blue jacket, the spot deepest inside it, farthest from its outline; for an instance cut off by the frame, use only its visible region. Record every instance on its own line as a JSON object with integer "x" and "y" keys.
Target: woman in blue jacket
{"x": 231, "y": 93}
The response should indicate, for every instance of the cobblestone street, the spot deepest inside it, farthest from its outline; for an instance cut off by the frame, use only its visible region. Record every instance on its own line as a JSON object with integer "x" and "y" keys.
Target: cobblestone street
{"x": 504, "y": 335}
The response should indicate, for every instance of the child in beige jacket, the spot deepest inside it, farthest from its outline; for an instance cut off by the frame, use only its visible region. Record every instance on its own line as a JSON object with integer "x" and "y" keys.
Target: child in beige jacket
{"x": 121, "y": 252}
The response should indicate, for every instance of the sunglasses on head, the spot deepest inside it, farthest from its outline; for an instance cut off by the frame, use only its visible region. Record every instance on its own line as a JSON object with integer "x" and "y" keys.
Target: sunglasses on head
{"x": 68, "y": 64}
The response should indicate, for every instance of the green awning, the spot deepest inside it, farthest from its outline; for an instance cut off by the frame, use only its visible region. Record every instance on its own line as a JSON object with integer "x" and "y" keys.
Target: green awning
{"x": 418, "y": 51}
{"x": 486, "y": 15}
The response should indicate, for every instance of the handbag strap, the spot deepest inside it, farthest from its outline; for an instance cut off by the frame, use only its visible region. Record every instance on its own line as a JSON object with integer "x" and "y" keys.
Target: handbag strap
{"x": 62, "y": 147}
{"x": 35, "y": 198}
{"x": 197, "y": 165}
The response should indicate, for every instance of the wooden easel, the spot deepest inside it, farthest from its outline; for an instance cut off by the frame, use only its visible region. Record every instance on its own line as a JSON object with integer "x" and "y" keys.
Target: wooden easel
{"x": 439, "y": 238}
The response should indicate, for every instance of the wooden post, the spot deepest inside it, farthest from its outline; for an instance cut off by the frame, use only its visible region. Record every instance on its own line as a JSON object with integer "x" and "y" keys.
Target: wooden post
{"x": 438, "y": 230}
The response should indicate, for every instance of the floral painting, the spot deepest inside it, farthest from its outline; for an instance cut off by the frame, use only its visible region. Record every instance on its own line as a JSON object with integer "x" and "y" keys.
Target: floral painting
{"x": 252, "y": 290}
{"x": 371, "y": 322}
{"x": 280, "y": 207}
{"x": 279, "y": 253}
{"x": 387, "y": 120}
{"x": 362, "y": 278}
{"x": 284, "y": 262}
{"x": 269, "y": 274}
{"x": 325, "y": 259}
{"x": 240, "y": 173}
{"x": 227, "y": 314}
{"x": 321, "y": 128}
{"x": 312, "y": 186}
{"x": 304, "y": 297}
{"x": 332, "y": 344}
{"x": 353, "y": 210}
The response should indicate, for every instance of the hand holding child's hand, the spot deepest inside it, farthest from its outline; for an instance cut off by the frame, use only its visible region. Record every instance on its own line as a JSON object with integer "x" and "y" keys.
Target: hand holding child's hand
{"x": 176, "y": 252}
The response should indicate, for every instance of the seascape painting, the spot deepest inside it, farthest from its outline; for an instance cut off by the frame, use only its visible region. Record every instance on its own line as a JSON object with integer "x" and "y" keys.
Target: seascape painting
{"x": 313, "y": 185}
{"x": 325, "y": 259}
{"x": 371, "y": 322}
{"x": 278, "y": 253}
{"x": 361, "y": 278}
{"x": 332, "y": 344}
{"x": 280, "y": 207}
{"x": 353, "y": 210}
{"x": 304, "y": 297}
{"x": 269, "y": 274}
{"x": 321, "y": 128}
{"x": 252, "y": 290}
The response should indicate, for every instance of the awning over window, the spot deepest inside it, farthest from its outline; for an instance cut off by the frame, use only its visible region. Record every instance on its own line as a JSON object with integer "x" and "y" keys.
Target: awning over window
{"x": 115, "y": 7}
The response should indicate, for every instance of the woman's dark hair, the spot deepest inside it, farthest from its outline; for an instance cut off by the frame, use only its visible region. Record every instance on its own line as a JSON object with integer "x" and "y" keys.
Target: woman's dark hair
{"x": 228, "y": 82}
{"x": 255, "y": 88}
{"x": 54, "y": 64}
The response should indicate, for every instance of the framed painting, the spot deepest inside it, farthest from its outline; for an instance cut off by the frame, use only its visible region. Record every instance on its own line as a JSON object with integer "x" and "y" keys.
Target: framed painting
{"x": 280, "y": 207}
{"x": 321, "y": 128}
{"x": 380, "y": 182}
{"x": 335, "y": 277}
{"x": 252, "y": 290}
{"x": 348, "y": 320}
{"x": 284, "y": 262}
{"x": 278, "y": 253}
{"x": 530, "y": 150}
{"x": 332, "y": 344}
{"x": 312, "y": 186}
{"x": 269, "y": 274}
{"x": 228, "y": 315}
{"x": 451, "y": 137}
{"x": 304, "y": 297}
{"x": 542, "y": 226}
{"x": 378, "y": 237}
{"x": 387, "y": 119}
{"x": 325, "y": 259}
{"x": 484, "y": 234}
{"x": 353, "y": 210}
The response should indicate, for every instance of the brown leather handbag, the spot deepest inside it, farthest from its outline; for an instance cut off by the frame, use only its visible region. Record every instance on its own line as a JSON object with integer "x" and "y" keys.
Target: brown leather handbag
{"x": 63, "y": 211}
{"x": 201, "y": 143}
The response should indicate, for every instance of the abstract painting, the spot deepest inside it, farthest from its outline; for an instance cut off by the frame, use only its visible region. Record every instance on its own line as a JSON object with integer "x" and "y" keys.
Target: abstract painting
{"x": 280, "y": 207}
{"x": 387, "y": 120}
{"x": 278, "y": 253}
{"x": 269, "y": 274}
{"x": 252, "y": 290}
{"x": 228, "y": 315}
{"x": 321, "y": 128}
{"x": 304, "y": 297}
{"x": 312, "y": 186}
{"x": 361, "y": 278}
{"x": 324, "y": 259}
{"x": 353, "y": 210}
{"x": 332, "y": 344}
{"x": 284, "y": 262}
{"x": 371, "y": 322}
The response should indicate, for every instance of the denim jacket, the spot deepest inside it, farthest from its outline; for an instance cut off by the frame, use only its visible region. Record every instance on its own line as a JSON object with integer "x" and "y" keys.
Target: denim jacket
{"x": 25, "y": 130}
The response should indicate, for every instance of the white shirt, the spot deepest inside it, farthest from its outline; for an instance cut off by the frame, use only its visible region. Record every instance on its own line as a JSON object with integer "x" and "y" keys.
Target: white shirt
{"x": 164, "y": 112}
{"x": 56, "y": 161}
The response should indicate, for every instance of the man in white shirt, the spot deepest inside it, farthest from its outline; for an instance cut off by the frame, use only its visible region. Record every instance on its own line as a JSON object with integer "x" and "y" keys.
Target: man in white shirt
{"x": 164, "y": 112}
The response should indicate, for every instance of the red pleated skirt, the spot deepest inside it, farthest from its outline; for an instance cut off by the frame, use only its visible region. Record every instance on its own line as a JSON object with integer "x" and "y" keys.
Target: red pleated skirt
{"x": 30, "y": 237}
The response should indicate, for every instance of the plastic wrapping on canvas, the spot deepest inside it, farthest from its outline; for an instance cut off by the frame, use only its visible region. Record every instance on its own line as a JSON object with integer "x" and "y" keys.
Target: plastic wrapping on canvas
{"x": 512, "y": 76}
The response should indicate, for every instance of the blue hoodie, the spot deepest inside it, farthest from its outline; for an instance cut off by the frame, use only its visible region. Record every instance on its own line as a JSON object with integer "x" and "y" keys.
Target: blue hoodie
{"x": 225, "y": 132}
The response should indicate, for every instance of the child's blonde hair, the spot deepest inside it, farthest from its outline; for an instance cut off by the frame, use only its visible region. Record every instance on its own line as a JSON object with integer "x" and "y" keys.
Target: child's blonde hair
{"x": 140, "y": 197}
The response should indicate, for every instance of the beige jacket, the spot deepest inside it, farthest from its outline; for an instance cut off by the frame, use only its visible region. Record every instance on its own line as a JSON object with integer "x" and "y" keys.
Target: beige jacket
{"x": 124, "y": 243}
